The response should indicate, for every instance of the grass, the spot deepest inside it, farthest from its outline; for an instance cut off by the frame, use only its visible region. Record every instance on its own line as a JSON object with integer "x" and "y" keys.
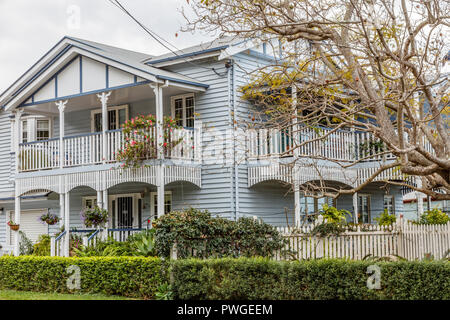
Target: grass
{"x": 28, "y": 295}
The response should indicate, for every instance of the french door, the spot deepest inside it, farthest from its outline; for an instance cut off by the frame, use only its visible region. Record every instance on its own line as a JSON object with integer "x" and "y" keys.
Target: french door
{"x": 125, "y": 211}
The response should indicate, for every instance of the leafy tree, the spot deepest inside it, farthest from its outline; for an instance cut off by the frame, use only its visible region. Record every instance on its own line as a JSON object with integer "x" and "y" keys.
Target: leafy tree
{"x": 372, "y": 66}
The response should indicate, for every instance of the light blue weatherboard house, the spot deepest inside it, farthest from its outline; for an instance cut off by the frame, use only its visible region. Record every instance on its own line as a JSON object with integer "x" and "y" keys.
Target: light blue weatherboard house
{"x": 60, "y": 127}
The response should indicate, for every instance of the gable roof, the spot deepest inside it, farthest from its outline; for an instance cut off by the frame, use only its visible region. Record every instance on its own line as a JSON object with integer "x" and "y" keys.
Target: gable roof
{"x": 67, "y": 47}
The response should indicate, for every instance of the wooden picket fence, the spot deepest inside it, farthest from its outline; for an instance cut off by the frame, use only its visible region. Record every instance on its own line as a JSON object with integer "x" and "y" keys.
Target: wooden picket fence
{"x": 407, "y": 240}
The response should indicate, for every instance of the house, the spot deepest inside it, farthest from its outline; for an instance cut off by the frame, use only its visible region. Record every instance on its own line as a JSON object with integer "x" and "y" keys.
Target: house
{"x": 61, "y": 123}
{"x": 410, "y": 205}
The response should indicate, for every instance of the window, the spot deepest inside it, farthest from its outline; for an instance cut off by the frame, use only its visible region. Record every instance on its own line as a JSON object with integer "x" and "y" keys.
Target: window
{"x": 154, "y": 203}
{"x": 89, "y": 202}
{"x": 311, "y": 205}
{"x": 24, "y": 132}
{"x": 183, "y": 109}
{"x": 116, "y": 118}
{"x": 388, "y": 204}
{"x": 36, "y": 128}
{"x": 364, "y": 208}
{"x": 42, "y": 129}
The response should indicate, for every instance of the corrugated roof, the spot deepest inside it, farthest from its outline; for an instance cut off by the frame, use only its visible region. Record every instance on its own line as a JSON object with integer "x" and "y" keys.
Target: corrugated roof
{"x": 217, "y": 44}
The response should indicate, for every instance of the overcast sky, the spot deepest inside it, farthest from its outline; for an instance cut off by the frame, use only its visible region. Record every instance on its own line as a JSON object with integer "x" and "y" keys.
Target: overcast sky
{"x": 29, "y": 28}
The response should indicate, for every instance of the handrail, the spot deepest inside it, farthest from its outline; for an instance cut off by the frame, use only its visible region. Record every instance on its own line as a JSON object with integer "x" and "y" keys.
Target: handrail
{"x": 37, "y": 141}
{"x": 93, "y": 235}
{"x": 83, "y": 231}
{"x": 126, "y": 229}
{"x": 83, "y": 135}
{"x": 61, "y": 235}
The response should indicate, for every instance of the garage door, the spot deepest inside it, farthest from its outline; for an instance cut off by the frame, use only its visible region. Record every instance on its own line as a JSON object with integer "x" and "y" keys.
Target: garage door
{"x": 30, "y": 225}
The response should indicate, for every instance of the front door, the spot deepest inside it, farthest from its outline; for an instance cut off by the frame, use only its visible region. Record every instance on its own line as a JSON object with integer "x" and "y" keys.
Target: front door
{"x": 124, "y": 212}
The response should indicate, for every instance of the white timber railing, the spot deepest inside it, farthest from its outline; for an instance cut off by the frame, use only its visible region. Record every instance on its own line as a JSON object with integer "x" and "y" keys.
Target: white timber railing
{"x": 87, "y": 149}
{"x": 83, "y": 149}
{"x": 57, "y": 244}
{"x": 406, "y": 240}
{"x": 39, "y": 155}
{"x": 321, "y": 143}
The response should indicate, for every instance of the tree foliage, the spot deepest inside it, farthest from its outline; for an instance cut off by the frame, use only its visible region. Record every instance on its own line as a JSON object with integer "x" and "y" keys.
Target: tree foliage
{"x": 370, "y": 66}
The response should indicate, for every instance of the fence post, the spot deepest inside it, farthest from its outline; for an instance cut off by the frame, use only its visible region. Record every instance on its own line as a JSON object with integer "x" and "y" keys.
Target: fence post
{"x": 85, "y": 241}
{"x": 400, "y": 237}
{"x": 52, "y": 246}
{"x": 173, "y": 251}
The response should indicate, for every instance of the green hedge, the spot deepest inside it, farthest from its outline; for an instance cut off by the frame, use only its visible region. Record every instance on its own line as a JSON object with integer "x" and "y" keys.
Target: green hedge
{"x": 259, "y": 278}
{"x": 126, "y": 276}
{"x": 228, "y": 278}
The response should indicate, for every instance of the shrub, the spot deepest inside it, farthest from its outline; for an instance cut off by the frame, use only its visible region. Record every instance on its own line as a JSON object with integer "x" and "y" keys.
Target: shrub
{"x": 333, "y": 215}
{"x": 109, "y": 247}
{"x": 386, "y": 219}
{"x": 143, "y": 243}
{"x": 139, "y": 244}
{"x": 42, "y": 247}
{"x": 198, "y": 234}
{"x": 126, "y": 276}
{"x": 258, "y": 278}
{"x": 25, "y": 244}
{"x": 434, "y": 216}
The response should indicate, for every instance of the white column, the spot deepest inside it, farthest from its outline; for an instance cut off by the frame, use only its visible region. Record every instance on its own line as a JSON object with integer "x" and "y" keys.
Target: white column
{"x": 104, "y": 100}
{"x": 17, "y": 221}
{"x": 61, "y": 107}
{"x": 17, "y": 136}
{"x": 355, "y": 207}
{"x": 67, "y": 223}
{"x": 297, "y": 204}
{"x": 105, "y": 206}
{"x": 419, "y": 197}
{"x": 160, "y": 150}
{"x": 61, "y": 209}
{"x": 100, "y": 199}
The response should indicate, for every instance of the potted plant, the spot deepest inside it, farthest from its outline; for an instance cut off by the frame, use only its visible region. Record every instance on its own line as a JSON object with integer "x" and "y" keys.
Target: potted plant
{"x": 94, "y": 217}
{"x": 49, "y": 218}
{"x": 14, "y": 226}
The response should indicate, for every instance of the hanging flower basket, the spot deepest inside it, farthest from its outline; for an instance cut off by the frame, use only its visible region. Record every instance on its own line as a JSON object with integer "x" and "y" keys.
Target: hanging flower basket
{"x": 94, "y": 217}
{"x": 13, "y": 225}
{"x": 49, "y": 218}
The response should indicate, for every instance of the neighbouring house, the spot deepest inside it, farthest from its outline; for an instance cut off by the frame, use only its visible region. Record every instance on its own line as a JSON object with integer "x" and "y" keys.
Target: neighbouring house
{"x": 60, "y": 128}
{"x": 410, "y": 209}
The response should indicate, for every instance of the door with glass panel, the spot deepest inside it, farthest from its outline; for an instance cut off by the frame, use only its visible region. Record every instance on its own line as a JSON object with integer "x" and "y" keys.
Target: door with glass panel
{"x": 364, "y": 209}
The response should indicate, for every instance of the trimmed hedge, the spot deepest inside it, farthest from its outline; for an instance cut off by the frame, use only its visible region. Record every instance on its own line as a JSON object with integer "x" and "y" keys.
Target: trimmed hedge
{"x": 125, "y": 276}
{"x": 228, "y": 278}
{"x": 258, "y": 278}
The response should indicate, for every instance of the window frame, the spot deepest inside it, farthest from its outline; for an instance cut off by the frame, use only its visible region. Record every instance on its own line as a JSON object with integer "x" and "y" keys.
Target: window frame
{"x": 183, "y": 97}
{"x": 85, "y": 199}
{"x": 392, "y": 197}
{"x": 153, "y": 195}
{"x": 31, "y": 121}
{"x": 110, "y": 108}
{"x": 369, "y": 206}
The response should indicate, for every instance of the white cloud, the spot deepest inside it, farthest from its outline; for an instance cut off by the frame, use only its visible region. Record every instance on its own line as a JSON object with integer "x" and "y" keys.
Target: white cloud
{"x": 31, "y": 28}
